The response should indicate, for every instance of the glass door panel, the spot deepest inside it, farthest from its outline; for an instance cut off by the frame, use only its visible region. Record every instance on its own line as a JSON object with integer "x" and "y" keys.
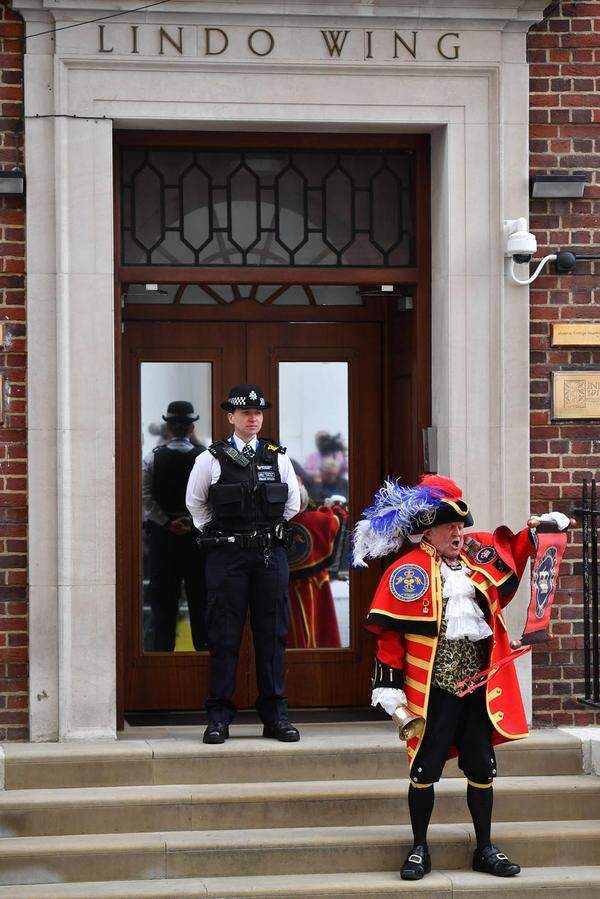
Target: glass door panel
{"x": 172, "y": 594}
{"x": 314, "y": 426}
{"x": 160, "y": 574}
{"x": 325, "y": 382}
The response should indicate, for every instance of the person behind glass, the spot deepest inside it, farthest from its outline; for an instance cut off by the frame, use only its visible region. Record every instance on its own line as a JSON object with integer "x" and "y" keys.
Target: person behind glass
{"x": 240, "y": 494}
{"x": 173, "y": 555}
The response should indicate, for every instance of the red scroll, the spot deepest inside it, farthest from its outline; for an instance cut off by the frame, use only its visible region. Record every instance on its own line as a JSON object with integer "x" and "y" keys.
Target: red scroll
{"x": 551, "y": 545}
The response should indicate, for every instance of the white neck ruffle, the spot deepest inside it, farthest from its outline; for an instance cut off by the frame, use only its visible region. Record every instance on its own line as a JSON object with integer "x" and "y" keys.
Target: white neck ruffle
{"x": 463, "y": 616}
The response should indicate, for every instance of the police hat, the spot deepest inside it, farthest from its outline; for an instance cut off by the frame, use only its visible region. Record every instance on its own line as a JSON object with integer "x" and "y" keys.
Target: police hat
{"x": 180, "y": 410}
{"x": 245, "y": 396}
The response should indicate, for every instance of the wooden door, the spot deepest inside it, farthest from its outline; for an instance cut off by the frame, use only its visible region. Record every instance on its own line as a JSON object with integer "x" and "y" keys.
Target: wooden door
{"x": 327, "y": 377}
{"x": 320, "y": 377}
{"x": 164, "y": 361}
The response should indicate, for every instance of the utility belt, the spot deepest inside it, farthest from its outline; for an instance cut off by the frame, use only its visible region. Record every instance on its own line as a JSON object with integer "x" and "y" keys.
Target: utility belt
{"x": 279, "y": 535}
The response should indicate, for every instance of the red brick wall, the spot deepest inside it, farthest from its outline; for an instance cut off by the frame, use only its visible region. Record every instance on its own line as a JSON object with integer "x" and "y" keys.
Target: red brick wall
{"x": 13, "y": 461}
{"x": 564, "y": 56}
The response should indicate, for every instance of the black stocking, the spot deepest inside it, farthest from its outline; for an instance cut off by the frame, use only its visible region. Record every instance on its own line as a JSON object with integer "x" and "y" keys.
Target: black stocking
{"x": 480, "y": 802}
{"x": 420, "y": 806}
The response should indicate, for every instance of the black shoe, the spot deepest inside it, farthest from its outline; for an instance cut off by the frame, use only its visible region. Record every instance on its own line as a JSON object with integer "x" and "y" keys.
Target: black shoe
{"x": 216, "y": 733}
{"x": 491, "y": 861}
{"x": 417, "y": 864}
{"x": 282, "y": 730}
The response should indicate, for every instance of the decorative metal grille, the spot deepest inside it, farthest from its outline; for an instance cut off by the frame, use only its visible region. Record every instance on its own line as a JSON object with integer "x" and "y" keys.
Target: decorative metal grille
{"x": 267, "y": 208}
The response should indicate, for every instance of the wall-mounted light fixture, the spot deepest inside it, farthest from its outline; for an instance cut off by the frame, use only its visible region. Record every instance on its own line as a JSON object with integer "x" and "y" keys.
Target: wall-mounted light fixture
{"x": 557, "y": 187}
{"x": 12, "y": 181}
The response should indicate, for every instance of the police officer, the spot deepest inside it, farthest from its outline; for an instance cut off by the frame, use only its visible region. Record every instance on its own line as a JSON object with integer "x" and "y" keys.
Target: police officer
{"x": 173, "y": 555}
{"x": 240, "y": 494}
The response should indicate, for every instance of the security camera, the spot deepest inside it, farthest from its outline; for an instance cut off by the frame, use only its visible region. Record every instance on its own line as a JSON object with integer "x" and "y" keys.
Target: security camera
{"x": 519, "y": 247}
{"x": 519, "y": 243}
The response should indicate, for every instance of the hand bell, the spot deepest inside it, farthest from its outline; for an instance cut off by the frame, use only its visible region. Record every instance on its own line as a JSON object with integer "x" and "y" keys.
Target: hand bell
{"x": 409, "y": 725}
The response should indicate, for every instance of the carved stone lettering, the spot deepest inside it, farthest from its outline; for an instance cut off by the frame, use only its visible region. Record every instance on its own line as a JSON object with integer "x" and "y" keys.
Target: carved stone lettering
{"x": 177, "y": 44}
{"x": 334, "y": 41}
{"x": 398, "y": 39}
{"x": 101, "y": 47}
{"x": 455, "y": 49}
{"x": 382, "y": 44}
{"x": 211, "y": 45}
{"x": 254, "y": 42}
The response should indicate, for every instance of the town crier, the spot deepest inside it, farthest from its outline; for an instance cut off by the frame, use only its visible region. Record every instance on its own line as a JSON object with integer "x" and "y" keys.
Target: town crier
{"x": 437, "y": 614}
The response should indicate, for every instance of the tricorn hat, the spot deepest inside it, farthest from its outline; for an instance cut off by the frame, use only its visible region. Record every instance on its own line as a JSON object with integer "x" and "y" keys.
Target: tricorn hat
{"x": 400, "y": 513}
{"x": 180, "y": 410}
{"x": 450, "y": 508}
{"x": 245, "y": 396}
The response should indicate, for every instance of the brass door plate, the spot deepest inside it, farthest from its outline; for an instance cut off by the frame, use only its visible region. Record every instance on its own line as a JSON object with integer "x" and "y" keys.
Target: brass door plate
{"x": 575, "y": 333}
{"x": 575, "y": 394}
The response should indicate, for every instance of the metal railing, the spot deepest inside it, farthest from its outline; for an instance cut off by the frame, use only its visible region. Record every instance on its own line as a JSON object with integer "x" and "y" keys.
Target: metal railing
{"x": 589, "y": 513}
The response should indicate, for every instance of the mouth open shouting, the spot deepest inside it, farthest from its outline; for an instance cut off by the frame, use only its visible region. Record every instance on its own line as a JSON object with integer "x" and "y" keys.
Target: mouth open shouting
{"x": 448, "y": 539}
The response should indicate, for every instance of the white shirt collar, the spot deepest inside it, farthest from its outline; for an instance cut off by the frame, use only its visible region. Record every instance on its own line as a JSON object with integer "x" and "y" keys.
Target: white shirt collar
{"x": 239, "y": 444}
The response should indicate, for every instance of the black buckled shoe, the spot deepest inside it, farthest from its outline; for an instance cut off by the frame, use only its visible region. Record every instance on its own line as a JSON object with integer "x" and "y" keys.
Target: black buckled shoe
{"x": 282, "y": 730}
{"x": 216, "y": 733}
{"x": 417, "y": 864}
{"x": 491, "y": 861}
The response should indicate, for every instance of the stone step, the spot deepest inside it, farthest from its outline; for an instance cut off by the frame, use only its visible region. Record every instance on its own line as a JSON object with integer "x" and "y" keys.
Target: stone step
{"x": 580, "y": 882}
{"x": 282, "y": 852}
{"x": 335, "y": 751}
{"x": 300, "y": 804}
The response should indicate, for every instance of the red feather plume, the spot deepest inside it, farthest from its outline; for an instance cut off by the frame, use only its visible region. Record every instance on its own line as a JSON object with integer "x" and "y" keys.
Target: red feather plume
{"x": 446, "y": 486}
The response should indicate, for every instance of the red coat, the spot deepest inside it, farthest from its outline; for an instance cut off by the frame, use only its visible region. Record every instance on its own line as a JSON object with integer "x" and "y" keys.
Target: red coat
{"x": 406, "y": 613}
{"x": 313, "y": 619}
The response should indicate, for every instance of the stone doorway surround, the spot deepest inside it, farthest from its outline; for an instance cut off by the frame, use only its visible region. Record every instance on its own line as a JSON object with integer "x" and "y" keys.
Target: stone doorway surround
{"x": 83, "y": 83}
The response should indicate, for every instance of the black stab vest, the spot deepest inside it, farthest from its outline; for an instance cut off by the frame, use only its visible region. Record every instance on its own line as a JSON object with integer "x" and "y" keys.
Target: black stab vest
{"x": 247, "y": 497}
{"x": 170, "y": 474}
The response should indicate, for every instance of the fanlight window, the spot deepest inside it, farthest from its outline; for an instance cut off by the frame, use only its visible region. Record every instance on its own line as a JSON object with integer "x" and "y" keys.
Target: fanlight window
{"x": 207, "y": 207}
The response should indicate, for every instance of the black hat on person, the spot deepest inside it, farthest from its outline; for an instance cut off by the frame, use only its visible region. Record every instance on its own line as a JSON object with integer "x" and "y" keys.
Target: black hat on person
{"x": 447, "y": 507}
{"x": 245, "y": 396}
{"x": 180, "y": 410}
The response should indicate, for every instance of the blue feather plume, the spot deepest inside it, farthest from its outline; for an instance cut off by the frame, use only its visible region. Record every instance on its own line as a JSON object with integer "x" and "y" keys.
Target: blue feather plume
{"x": 390, "y": 519}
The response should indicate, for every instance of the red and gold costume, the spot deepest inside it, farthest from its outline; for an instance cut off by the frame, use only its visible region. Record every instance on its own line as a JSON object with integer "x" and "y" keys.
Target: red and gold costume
{"x": 406, "y": 613}
{"x": 313, "y": 619}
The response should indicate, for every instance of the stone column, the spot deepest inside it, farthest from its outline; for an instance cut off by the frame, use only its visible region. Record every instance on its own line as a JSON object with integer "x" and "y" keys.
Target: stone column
{"x": 85, "y": 429}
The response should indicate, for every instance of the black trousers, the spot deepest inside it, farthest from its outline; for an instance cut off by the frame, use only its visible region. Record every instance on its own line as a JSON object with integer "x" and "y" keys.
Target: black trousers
{"x": 237, "y": 580}
{"x": 172, "y": 560}
{"x": 463, "y": 723}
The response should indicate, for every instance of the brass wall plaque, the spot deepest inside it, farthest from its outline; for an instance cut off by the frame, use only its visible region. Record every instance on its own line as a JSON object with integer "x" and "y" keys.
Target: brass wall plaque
{"x": 576, "y": 334}
{"x": 576, "y": 394}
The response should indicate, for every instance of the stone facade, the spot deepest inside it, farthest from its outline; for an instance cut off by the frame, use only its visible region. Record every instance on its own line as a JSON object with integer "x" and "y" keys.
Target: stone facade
{"x": 564, "y": 57}
{"x": 13, "y": 435}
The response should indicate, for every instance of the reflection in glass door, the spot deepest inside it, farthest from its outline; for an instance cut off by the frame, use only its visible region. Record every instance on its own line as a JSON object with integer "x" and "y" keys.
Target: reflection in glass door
{"x": 176, "y": 425}
{"x": 313, "y": 424}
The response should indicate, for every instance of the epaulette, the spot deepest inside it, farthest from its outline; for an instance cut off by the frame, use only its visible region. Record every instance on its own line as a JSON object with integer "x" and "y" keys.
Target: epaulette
{"x": 273, "y": 446}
